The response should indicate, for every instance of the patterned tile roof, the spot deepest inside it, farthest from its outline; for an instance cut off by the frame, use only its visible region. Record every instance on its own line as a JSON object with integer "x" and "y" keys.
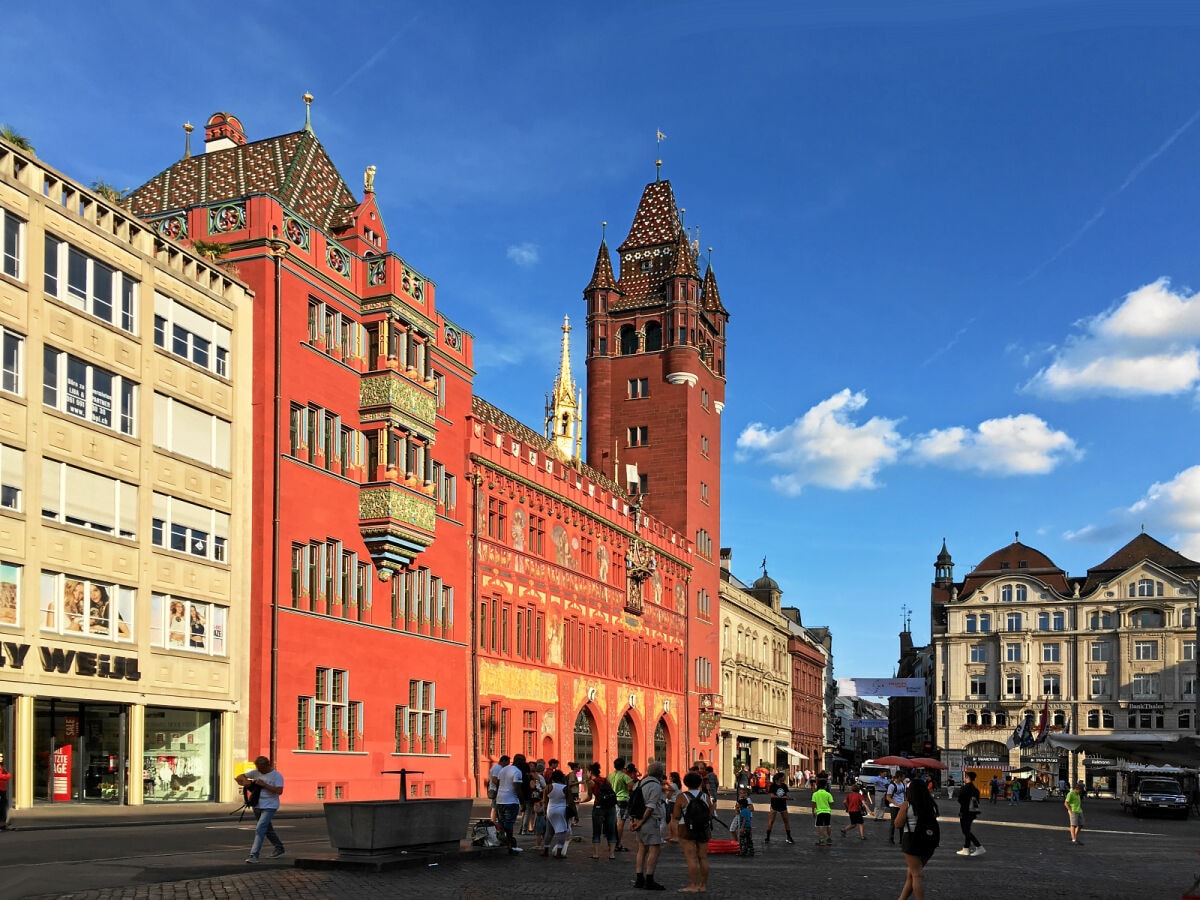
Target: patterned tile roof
{"x": 710, "y": 294}
{"x": 485, "y": 412}
{"x": 602, "y": 275}
{"x": 294, "y": 168}
{"x": 1140, "y": 549}
{"x": 655, "y": 250}
{"x": 656, "y": 220}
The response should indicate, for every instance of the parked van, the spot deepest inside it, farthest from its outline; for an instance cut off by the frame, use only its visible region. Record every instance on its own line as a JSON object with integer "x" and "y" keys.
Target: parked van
{"x": 868, "y": 772}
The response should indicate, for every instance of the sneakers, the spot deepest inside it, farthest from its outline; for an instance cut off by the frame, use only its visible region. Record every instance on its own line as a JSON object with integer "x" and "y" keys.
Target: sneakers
{"x": 978, "y": 851}
{"x": 788, "y": 840}
{"x": 277, "y": 852}
{"x": 254, "y": 859}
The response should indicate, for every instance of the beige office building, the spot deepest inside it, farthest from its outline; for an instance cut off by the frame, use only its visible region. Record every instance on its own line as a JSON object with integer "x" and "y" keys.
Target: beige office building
{"x": 1112, "y": 652}
{"x": 125, "y": 500}
{"x": 756, "y": 676}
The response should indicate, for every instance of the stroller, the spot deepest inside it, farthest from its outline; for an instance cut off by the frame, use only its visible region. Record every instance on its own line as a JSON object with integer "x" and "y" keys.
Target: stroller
{"x": 484, "y": 834}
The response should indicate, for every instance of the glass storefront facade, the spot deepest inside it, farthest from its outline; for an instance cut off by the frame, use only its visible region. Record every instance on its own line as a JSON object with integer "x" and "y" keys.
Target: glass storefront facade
{"x": 80, "y": 753}
{"x": 179, "y": 755}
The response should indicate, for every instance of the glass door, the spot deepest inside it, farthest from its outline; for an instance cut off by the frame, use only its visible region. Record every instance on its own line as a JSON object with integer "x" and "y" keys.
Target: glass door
{"x": 79, "y": 751}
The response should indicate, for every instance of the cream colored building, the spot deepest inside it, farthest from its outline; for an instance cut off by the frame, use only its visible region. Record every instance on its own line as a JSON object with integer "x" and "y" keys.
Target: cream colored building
{"x": 1112, "y": 652}
{"x": 125, "y": 501}
{"x": 756, "y": 675}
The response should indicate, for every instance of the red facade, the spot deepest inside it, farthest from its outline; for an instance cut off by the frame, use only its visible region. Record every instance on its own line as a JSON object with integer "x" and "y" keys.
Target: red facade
{"x": 358, "y": 666}
{"x": 434, "y": 583}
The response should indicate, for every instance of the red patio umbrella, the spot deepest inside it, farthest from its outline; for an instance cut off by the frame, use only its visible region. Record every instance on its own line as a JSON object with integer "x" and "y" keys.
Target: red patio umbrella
{"x": 924, "y": 762}
{"x": 902, "y": 761}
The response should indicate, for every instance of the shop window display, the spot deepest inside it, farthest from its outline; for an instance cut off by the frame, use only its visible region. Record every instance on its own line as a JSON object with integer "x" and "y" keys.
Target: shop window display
{"x": 177, "y": 758}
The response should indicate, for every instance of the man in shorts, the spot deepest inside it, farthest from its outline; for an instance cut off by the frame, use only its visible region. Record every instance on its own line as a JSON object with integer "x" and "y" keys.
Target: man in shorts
{"x": 650, "y": 827}
{"x": 1074, "y": 805}
{"x": 620, "y": 784}
{"x": 822, "y": 803}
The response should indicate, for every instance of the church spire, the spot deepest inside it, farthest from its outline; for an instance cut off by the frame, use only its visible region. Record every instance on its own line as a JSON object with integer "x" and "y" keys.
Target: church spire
{"x": 564, "y": 411}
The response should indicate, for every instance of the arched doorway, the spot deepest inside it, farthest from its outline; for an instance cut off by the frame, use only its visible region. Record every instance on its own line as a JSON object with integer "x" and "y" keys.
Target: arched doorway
{"x": 625, "y": 739}
{"x": 660, "y": 741}
{"x": 585, "y": 726}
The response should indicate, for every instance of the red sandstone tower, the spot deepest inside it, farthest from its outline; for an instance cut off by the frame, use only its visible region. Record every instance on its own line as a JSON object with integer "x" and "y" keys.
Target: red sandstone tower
{"x": 656, "y": 388}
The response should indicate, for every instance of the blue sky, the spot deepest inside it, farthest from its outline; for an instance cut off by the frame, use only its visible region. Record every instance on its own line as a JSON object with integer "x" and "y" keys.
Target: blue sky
{"x": 959, "y": 241}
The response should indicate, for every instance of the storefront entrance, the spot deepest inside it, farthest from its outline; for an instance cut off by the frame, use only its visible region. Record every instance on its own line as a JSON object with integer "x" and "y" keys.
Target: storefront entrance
{"x": 79, "y": 752}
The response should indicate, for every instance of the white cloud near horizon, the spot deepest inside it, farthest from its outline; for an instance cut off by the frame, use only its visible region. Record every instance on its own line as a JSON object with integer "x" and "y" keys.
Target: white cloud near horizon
{"x": 1169, "y": 510}
{"x": 827, "y": 448}
{"x": 1013, "y": 445}
{"x": 524, "y": 255}
{"x": 1147, "y": 344}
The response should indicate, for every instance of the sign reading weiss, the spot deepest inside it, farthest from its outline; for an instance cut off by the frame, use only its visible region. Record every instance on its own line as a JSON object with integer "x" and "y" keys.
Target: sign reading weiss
{"x": 881, "y": 687}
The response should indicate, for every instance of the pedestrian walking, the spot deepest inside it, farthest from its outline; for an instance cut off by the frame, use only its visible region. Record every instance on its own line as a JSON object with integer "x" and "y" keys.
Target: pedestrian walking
{"x": 693, "y": 813}
{"x": 509, "y": 788}
{"x": 779, "y": 807}
{"x": 879, "y": 796}
{"x": 672, "y": 788}
{"x": 558, "y": 826}
{"x": 742, "y": 779}
{"x": 822, "y": 804}
{"x": 1074, "y": 806}
{"x": 968, "y": 812}
{"x": 604, "y": 813}
{"x": 858, "y": 807}
{"x": 994, "y": 789}
{"x": 5, "y": 778}
{"x": 620, "y": 782}
{"x": 896, "y": 792}
{"x": 745, "y": 825}
{"x": 1014, "y": 792}
{"x": 536, "y": 788}
{"x": 919, "y": 837}
{"x": 268, "y": 782}
{"x": 647, "y": 814}
{"x": 711, "y": 785}
{"x": 493, "y": 783}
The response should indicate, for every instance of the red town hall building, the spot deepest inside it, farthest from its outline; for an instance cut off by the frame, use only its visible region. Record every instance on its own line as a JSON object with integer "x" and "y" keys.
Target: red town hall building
{"x": 434, "y": 583}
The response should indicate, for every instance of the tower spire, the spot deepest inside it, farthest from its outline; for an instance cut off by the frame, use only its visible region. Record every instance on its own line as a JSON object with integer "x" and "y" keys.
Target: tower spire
{"x": 564, "y": 411}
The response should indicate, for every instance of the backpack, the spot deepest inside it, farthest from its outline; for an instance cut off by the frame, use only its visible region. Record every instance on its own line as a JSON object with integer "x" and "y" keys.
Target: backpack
{"x": 697, "y": 818}
{"x": 250, "y": 794}
{"x": 637, "y": 802}
{"x": 606, "y": 797}
{"x": 928, "y": 832}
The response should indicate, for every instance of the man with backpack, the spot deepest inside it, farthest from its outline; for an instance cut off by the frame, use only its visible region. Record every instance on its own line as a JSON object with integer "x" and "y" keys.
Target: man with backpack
{"x": 646, "y": 815}
{"x": 968, "y": 811}
{"x": 620, "y": 783}
{"x": 895, "y": 799}
{"x": 693, "y": 812}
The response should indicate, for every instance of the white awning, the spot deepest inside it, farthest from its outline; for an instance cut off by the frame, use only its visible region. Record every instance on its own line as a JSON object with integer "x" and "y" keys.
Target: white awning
{"x": 794, "y": 754}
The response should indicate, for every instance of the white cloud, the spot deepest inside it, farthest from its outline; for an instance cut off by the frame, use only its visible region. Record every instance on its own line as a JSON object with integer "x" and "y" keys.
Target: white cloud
{"x": 1147, "y": 344}
{"x": 526, "y": 254}
{"x": 1014, "y": 445}
{"x": 1174, "y": 505}
{"x": 824, "y": 447}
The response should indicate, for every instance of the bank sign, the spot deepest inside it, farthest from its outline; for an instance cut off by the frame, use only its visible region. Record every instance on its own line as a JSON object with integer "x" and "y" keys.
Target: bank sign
{"x": 73, "y": 662}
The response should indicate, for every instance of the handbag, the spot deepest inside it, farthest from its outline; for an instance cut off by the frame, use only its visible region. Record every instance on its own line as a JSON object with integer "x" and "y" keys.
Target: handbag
{"x": 974, "y": 807}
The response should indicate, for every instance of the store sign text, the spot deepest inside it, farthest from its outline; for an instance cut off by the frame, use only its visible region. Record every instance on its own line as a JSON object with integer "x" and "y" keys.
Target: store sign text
{"x": 55, "y": 659}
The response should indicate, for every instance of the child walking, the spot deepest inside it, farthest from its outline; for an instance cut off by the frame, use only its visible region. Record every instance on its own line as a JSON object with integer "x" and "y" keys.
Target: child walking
{"x": 745, "y": 828}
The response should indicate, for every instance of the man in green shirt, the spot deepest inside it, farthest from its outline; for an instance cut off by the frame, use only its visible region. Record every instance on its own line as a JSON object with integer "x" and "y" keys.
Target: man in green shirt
{"x": 822, "y": 802}
{"x": 620, "y": 784}
{"x": 1074, "y": 805}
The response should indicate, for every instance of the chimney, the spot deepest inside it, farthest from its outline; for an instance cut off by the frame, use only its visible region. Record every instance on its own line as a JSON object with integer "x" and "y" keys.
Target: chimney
{"x": 727, "y": 559}
{"x": 222, "y": 132}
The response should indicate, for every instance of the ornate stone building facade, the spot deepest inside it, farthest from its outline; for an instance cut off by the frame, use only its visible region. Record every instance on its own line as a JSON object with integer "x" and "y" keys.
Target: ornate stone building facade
{"x": 1111, "y": 652}
{"x": 756, "y": 675}
{"x": 125, "y": 465}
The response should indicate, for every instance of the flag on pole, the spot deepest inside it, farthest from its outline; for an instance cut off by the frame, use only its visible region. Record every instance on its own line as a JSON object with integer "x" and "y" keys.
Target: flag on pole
{"x": 1043, "y": 723}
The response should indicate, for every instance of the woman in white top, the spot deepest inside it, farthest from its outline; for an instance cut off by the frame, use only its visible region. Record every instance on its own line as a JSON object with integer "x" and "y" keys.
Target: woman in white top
{"x": 558, "y": 829}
